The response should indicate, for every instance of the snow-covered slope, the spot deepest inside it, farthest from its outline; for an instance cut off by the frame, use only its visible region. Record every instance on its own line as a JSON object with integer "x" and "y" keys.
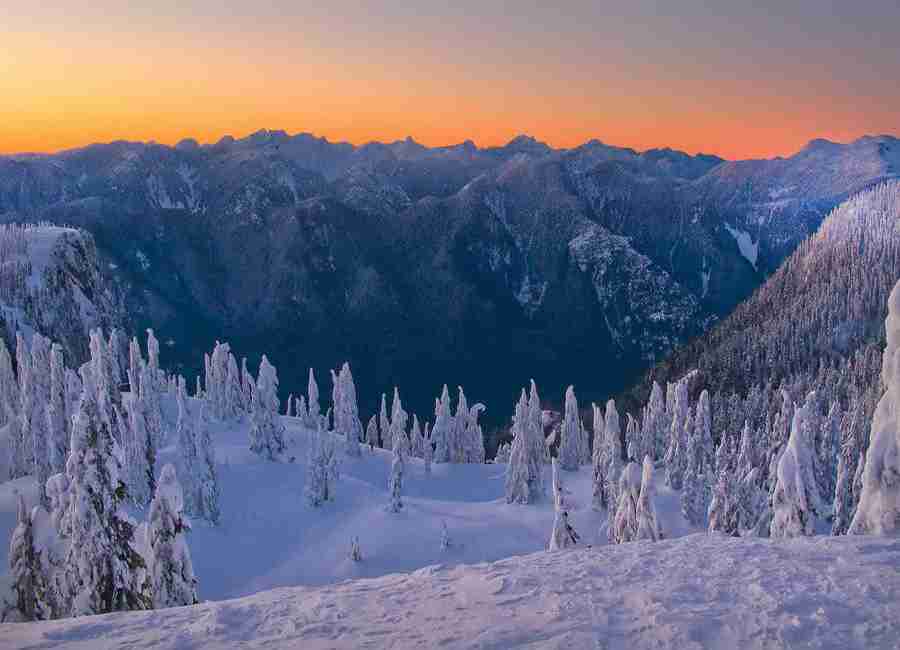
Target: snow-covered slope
{"x": 51, "y": 283}
{"x": 695, "y": 592}
{"x": 269, "y": 537}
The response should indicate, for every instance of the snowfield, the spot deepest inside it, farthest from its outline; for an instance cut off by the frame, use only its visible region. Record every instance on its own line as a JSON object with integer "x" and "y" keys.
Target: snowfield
{"x": 698, "y": 591}
{"x": 689, "y": 592}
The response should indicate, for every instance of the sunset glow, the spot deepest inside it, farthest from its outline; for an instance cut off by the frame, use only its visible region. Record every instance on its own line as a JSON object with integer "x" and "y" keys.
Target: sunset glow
{"x": 743, "y": 82}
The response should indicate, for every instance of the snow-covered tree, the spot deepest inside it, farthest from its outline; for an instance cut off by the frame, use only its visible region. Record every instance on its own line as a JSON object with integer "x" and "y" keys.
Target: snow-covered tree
{"x": 600, "y": 498}
{"x": 415, "y": 438}
{"x": 152, "y": 352}
{"x": 21, "y": 442}
{"x": 647, "y": 521}
{"x": 372, "y": 433}
{"x": 171, "y": 572}
{"x": 427, "y": 449}
{"x": 321, "y": 468}
{"x": 152, "y": 406}
{"x": 676, "y": 454}
{"x": 441, "y": 432}
{"x": 722, "y": 513}
{"x": 141, "y": 454}
{"x": 135, "y": 361}
{"x": 474, "y": 436}
{"x": 247, "y": 385}
{"x": 24, "y": 566}
{"x": 355, "y": 552}
{"x": 300, "y": 409}
{"x": 384, "y": 424}
{"x": 36, "y": 396}
{"x": 524, "y": 472}
{"x": 188, "y": 454}
{"x": 398, "y": 424}
{"x": 58, "y": 430}
{"x": 878, "y": 511}
{"x": 827, "y": 449}
{"x": 654, "y": 425}
{"x": 446, "y": 542}
{"x": 395, "y": 481}
{"x": 625, "y": 522}
{"x": 851, "y": 451}
{"x": 634, "y": 440}
{"x": 346, "y": 411}
{"x": 569, "y": 452}
{"x": 207, "y": 474}
{"x": 9, "y": 386}
{"x": 289, "y": 406}
{"x": 314, "y": 411}
{"x": 266, "y": 429}
{"x": 613, "y": 450}
{"x": 102, "y": 568}
{"x": 793, "y": 514}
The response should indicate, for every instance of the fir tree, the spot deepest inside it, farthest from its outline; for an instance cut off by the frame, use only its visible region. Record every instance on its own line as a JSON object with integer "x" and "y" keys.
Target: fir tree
{"x": 188, "y": 454}
{"x": 625, "y": 522}
{"x": 395, "y": 481}
{"x": 171, "y": 572}
{"x": 384, "y": 424}
{"x": 792, "y": 511}
{"x": 266, "y": 429}
{"x": 427, "y": 449}
{"x": 600, "y": 497}
{"x": 208, "y": 476}
{"x": 312, "y": 401}
{"x": 569, "y": 456}
{"x": 102, "y": 566}
{"x": 24, "y": 565}
{"x": 321, "y": 468}
{"x": 613, "y": 450}
{"x": 372, "y": 433}
{"x": 647, "y": 521}
{"x": 442, "y": 424}
{"x": 57, "y": 428}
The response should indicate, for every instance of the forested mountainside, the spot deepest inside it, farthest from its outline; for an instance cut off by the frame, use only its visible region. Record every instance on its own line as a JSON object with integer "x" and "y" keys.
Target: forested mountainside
{"x": 428, "y": 265}
{"x": 51, "y": 283}
{"x": 816, "y": 324}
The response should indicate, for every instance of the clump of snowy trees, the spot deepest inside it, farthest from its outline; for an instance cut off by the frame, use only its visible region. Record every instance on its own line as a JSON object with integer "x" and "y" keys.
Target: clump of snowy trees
{"x": 77, "y": 551}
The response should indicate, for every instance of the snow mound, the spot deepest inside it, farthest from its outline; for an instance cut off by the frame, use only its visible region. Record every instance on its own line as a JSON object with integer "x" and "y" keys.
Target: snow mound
{"x": 699, "y": 591}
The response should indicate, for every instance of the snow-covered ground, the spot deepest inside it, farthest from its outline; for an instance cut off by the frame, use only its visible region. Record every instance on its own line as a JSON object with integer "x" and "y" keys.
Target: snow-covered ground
{"x": 289, "y": 563}
{"x": 698, "y": 591}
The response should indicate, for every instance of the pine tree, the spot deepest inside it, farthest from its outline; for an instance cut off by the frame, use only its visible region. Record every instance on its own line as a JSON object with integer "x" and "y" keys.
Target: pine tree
{"x": 613, "y": 449}
{"x": 38, "y": 390}
{"x": 10, "y": 399}
{"x": 321, "y": 468}
{"x": 21, "y": 436}
{"x": 600, "y": 498}
{"x": 518, "y": 483}
{"x": 24, "y": 565}
{"x": 795, "y": 484}
{"x": 152, "y": 407}
{"x": 266, "y": 429}
{"x": 172, "y": 579}
{"x": 102, "y": 566}
{"x": 569, "y": 456}
{"x": 142, "y": 455}
{"x": 474, "y": 436}
{"x": 135, "y": 362}
{"x": 442, "y": 424}
{"x": 208, "y": 476}
{"x": 722, "y": 513}
{"x": 346, "y": 411}
{"x": 384, "y": 424}
{"x": 415, "y": 438}
{"x": 680, "y": 424}
{"x": 427, "y": 449}
{"x": 247, "y": 386}
{"x": 537, "y": 448}
{"x": 563, "y": 535}
{"x": 301, "y": 410}
{"x": 625, "y": 522}
{"x": 878, "y": 511}
{"x": 372, "y": 433}
{"x": 398, "y": 425}
{"x": 647, "y": 521}
{"x": 395, "y": 481}
{"x": 312, "y": 401}
{"x": 634, "y": 439}
{"x": 57, "y": 429}
{"x": 654, "y": 428}
{"x": 188, "y": 454}
{"x": 851, "y": 449}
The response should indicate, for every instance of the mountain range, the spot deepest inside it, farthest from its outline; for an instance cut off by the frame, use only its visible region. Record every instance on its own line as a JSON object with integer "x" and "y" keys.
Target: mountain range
{"x": 425, "y": 265}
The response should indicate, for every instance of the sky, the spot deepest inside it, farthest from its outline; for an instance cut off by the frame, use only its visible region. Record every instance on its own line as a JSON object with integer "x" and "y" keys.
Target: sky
{"x": 734, "y": 78}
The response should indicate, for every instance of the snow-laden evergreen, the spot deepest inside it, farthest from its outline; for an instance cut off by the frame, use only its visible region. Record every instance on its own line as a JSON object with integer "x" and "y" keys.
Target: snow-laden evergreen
{"x": 24, "y": 566}
{"x": 795, "y": 487}
{"x": 103, "y": 571}
{"x": 207, "y": 475}
{"x": 442, "y": 426}
{"x": 346, "y": 411}
{"x": 395, "y": 480}
{"x": 613, "y": 454}
{"x": 680, "y": 425}
{"x": 141, "y": 454}
{"x": 625, "y": 521}
{"x": 372, "y": 433}
{"x": 647, "y": 520}
{"x": 188, "y": 454}
{"x": 569, "y": 453}
{"x": 313, "y": 409}
{"x": 171, "y": 572}
{"x": 878, "y": 511}
{"x": 399, "y": 417}
{"x": 599, "y": 494}
{"x": 58, "y": 428}
{"x": 322, "y": 468}
{"x": 845, "y": 499}
{"x": 36, "y": 388}
{"x": 266, "y": 429}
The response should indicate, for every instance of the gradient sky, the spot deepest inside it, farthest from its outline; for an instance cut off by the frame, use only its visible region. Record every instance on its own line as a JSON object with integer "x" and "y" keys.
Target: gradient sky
{"x": 739, "y": 79}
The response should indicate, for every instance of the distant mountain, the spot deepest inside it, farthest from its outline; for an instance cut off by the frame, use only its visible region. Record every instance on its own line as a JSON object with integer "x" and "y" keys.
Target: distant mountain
{"x": 428, "y": 265}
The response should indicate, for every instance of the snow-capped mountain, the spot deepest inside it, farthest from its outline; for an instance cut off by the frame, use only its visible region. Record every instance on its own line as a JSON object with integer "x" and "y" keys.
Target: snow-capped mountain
{"x": 446, "y": 254}
{"x": 51, "y": 283}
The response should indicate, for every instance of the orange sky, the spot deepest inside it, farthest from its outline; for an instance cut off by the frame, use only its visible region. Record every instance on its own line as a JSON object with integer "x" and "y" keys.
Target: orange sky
{"x": 749, "y": 83}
